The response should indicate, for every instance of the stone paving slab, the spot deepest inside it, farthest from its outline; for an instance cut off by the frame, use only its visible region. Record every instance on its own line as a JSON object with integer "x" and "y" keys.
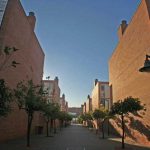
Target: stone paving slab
{"x": 71, "y": 138}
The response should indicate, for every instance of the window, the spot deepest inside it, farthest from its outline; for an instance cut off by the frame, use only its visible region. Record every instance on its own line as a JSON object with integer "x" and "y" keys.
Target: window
{"x": 102, "y": 87}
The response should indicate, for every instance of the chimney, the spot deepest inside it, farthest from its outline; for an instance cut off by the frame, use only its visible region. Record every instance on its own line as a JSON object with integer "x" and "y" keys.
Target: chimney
{"x": 56, "y": 79}
{"x": 32, "y": 20}
{"x": 96, "y": 80}
{"x": 122, "y": 29}
{"x": 63, "y": 96}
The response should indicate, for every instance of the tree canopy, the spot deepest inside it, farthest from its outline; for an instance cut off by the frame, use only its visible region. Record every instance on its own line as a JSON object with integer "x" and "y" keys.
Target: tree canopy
{"x": 30, "y": 98}
{"x": 129, "y": 105}
{"x": 5, "y": 98}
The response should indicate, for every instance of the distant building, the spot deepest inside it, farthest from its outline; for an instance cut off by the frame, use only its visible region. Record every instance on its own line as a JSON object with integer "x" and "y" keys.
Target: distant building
{"x": 101, "y": 95}
{"x": 66, "y": 106}
{"x": 75, "y": 110}
{"x": 88, "y": 104}
{"x": 82, "y": 108}
{"x": 124, "y": 64}
{"x": 17, "y": 30}
{"x": 53, "y": 90}
{"x": 63, "y": 103}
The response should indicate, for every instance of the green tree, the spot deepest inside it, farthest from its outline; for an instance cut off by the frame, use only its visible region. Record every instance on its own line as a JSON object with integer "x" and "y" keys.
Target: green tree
{"x": 122, "y": 108}
{"x": 108, "y": 116}
{"x": 5, "y": 98}
{"x": 64, "y": 118}
{"x": 55, "y": 115}
{"x": 30, "y": 98}
{"x": 47, "y": 110}
{"x": 87, "y": 117}
{"x": 5, "y": 92}
{"x": 67, "y": 118}
{"x": 100, "y": 115}
{"x": 80, "y": 120}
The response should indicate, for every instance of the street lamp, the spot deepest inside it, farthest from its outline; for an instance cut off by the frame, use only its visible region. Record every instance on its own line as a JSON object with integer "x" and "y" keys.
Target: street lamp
{"x": 146, "y": 67}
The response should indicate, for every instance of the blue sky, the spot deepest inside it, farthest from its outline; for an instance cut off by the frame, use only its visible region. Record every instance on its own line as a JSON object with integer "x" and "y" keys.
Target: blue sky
{"x": 78, "y": 38}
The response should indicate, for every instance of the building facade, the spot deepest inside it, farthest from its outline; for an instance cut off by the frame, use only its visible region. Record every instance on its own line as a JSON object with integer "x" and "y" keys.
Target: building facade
{"x": 17, "y": 30}
{"x": 84, "y": 108}
{"x": 88, "y": 104}
{"x": 101, "y": 95}
{"x": 124, "y": 64}
{"x": 53, "y": 90}
{"x": 63, "y": 103}
{"x": 75, "y": 110}
{"x": 66, "y": 106}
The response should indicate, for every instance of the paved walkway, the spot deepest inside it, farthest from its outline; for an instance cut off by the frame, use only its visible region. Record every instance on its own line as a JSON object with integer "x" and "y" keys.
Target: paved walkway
{"x": 71, "y": 138}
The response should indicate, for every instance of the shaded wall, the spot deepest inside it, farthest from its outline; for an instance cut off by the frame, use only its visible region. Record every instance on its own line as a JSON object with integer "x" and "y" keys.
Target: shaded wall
{"x": 16, "y": 31}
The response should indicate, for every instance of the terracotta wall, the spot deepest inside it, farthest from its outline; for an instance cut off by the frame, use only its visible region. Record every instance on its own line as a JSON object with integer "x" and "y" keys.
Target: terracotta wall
{"x": 95, "y": 97}
{"x": 16, "y": 31}
{"x": 128, "y": 57}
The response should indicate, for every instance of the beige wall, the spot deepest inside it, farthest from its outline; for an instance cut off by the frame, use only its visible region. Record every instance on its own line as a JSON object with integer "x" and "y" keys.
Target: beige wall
{"x": 95, "y": 97}
{"x": 129, "y": 56}
{"x": 84, "y": 108}
{"x": 99, "y": 94}
{"x": 88, "y": 104}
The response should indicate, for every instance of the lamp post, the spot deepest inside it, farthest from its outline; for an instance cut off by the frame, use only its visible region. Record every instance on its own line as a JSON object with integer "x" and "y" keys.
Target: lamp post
{"x": 146, "y": 67}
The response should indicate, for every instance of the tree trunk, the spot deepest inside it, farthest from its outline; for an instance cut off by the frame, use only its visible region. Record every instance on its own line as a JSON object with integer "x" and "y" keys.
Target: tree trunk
{"x": 47, "y": 134}
{"x": 97, "y": 127}
{"x": 51, "y": 126}
{"x": 122, "y": 118}
{"x": 30, "y": 117}
{"x": 108, "y": 131}
{"x": 103, "y": 129}
{"x": 54, "y": 126}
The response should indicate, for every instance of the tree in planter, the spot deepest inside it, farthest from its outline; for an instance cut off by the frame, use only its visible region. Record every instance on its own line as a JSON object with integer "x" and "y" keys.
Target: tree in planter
{"x": 122, "y": 108}
{"x": 86, "y": 117}
{"x": 47, "y": 112}
{"x": 55, "y": 115}
{"x": 89, "y": 118}
{"x": 30, "y": 98}
{"x": 5, "y": 99}
{"x": 80, "y": 120}
{"x": 62, "y": 116}
{"x": 108, "y": 116}
{"x": 100, "y": 115}
{"x": 67, "y": 118}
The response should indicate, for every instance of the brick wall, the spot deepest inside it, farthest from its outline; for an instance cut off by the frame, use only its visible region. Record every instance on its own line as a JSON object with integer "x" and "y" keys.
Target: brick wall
{"x": 16, "y": 31}
{"x": 126, "y": 60}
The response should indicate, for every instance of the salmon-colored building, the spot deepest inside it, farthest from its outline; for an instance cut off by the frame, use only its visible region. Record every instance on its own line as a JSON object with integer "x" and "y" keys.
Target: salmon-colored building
{"x": 75, "y": 110}
{"x": 101, "y": 95}
{"x": 84, "y": 108}
{"x": 17, "y": 30}
{"x": 52, "y": 87}
{"x": 124, "y": 64}
{"x": 63, "y": 103}
{"x": 66, "y": 106}
{"x": 88, "y": 104}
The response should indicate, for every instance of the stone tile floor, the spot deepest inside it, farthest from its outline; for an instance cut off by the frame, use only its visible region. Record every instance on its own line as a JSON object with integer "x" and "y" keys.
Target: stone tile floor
{"x": 74, "y": 137}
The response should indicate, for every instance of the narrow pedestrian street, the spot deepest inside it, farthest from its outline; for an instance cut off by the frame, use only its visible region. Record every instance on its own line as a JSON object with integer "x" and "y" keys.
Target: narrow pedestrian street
{"x": 74, "y": 137}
